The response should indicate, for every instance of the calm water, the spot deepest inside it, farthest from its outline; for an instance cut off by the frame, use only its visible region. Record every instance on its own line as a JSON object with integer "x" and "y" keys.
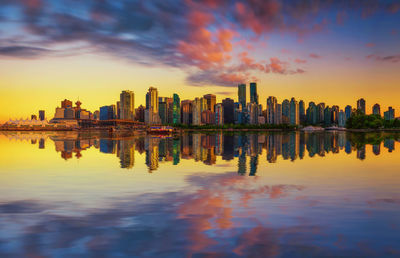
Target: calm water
{"x": 285, "y": 195}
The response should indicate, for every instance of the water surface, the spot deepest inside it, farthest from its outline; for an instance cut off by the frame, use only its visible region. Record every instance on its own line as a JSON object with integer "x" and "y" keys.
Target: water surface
{"x": 226, "y": 195}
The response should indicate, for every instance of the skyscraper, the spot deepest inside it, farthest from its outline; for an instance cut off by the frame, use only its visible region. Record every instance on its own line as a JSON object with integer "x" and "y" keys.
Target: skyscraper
{"x": 302, "y": 111}
{"x": 152, "y": 99}
{"x": 211, "y": 101}
{"x": 186, "y": 112}
{"x": 294, "y": 112}
{"x": 361, "y": 105}
{"x": 229, "y": 111}
{"x": 278, "y": 114}
{"x": 163, "y": 110}
{"x": 376, "y": 109}
{"x": 285, "y": 111}
{"x": 176, "y": 109}
{"x": 41, "y": 115}
{"x": 253, "y": 93}
{"x": 219, "y": 114}
{"x": 347, "y": 111}
{"x": 127, "y": 105}
{"x": 196, "y": 111}
{"x": 389, "y": 115}
{"x": 242, "y": 95}
{"x": 271, "y": 110}
{"x": 151, "y": 113}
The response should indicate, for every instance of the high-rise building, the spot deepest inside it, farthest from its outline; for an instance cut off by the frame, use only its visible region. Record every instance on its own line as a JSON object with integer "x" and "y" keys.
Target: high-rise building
{"x": 285, "y": 111}
{"x": 127, "y": 105}
{"x": 335, "y": 114}
{"x": 219, "y": 114}
{"x": 321, "y": 113}
{"x": 66, "y": 103}
{"x": 211, "y": 101}
{"x": 176, "y": 109}
{"x": 294, "y": 112}
{"x": 118, "y": 116}
{"x": 139, "y": 113}
{"x": 302, "y": 111}
{"x": 278, "y": 114}
{"x": 253, "y": 110}
{"x": 328, "y": 116}
{"x": 271, "y": 110}
{"x": 42, "y": 115}
{"x": 389, "y": 115}
{"x": 253, "y": 93}
{"x": 152, "y": 99}
{"x": 347, "y": 111}
{"x": 107, "y": 112}
{"x": 196, "y": 111}
{"x": 376, "y": 109}
{"x": 242, "y": 95}
{"x": 312, "y": 114}
{"x": 361, "y": 105}
{"x": 238, "y": 116}
{"x": 342, "y": 119}
{"x": 229, "y": 111}
{"x": 151, "y": 113}
{"x": 163, "y": 110}
{"x": 186, "y": 112}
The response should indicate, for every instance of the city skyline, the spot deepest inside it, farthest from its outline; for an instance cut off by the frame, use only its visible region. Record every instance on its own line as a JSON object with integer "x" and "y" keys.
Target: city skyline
{"x": 328, "y": 51}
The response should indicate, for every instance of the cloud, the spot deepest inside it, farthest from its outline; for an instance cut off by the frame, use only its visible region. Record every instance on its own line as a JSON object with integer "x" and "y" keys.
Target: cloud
{"x": 300, "y": 61}
{"x": 199, "y": 37}
{"x": 23, "y": 51}
{"x": 390, "y": 58}
{"x": 313, "y": 55}
{"x": 370, "y": 44}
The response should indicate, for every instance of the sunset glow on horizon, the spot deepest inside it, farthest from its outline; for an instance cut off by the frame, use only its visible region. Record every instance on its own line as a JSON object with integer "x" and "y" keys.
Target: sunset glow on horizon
{"x": 323, "y": 51}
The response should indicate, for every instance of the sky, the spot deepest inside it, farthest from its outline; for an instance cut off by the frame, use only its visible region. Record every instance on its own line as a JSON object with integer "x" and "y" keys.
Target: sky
{"x": 315, "y": 50}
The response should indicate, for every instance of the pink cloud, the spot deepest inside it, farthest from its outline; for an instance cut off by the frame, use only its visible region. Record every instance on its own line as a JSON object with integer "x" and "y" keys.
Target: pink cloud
{"x": 370, "y": 44}
{"x": 300, "y": 61}
{"x": 313, "y": 55}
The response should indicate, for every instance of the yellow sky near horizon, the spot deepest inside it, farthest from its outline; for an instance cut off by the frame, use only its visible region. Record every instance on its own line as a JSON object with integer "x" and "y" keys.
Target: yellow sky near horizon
{"x": 27, "y": 86}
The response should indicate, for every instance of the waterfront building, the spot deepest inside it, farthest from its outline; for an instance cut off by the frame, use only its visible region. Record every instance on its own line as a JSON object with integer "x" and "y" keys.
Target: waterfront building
{"x": 389, "y": 115}
{"x": 176, "y": 109}
{"x": 335, "y": 114}
{"x": 327, "y": 116}
{"x": 66, "y": 103}
{"x": 242, "y": 95}
{"x": 342, "y": 119}
{"x": 285, "y": 111}
{"x": 118, "y": 110}
{"x": 238, "y": 115}
{"x": 376, "y": 109}
{"x": 163, "y": 110}
{"x": 211, "y": 100}
{"x": 42, "y": 115}
{"x": 229, "y": 112}
{"x": 302, "y": 111}
{"x": 252, "y": 109}
{"x": 59, "y": 113}
{"x": 186, "y": 112}
{"x": 96, "y": 115}
{"x": 139, "y": 113}
{"x": 107, "y": 112}
{"x": 271, "y": 110}
{"x": 278, "y": 114}
{"x": 196, "y": 111}
{"x": 127, "y": 105}
{"x": 208, "y": 117}
{"x": 151, "y": 112}
{"x": 361, "y": 105}
{"x": 320, "y": 113}
{"x": 253, "y": 93}
{"x": 294, "y": 112}
{"x": 312, "y": 114}
{"x": 219, "y": 114}
{"x": 347, "y": 111}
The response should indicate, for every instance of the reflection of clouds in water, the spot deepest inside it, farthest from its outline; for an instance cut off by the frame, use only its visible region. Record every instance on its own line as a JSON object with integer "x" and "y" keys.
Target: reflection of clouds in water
{"x": 217, "y": 218}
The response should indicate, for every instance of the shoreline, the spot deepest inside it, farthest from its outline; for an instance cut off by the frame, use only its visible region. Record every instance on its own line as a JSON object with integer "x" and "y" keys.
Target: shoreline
{"x": 177, "y": 130}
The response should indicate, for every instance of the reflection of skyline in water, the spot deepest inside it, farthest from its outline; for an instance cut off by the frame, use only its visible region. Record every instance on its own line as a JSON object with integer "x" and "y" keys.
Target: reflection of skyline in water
{"x": 313, "y": 209}
{"x": 206, "y": 147}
